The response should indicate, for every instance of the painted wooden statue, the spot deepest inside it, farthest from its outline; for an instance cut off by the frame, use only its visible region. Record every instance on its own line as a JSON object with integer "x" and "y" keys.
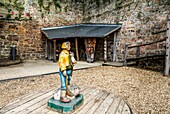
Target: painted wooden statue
{"x": 66, "y": 62}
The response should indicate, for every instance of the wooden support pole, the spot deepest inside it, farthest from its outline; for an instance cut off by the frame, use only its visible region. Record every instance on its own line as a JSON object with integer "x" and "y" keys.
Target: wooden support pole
{"x": 125, "y": 54}
{"x": 114, "y": 47}
{"x": 167, "y": 59}
{"x": 54, "y": 53}
{"x": 137, "y": 54}
{"x": 50, "y": 51}
{"x": 105, "y": 49}
{"x": 77, "y": 52}
{"x": 46, "y": 48}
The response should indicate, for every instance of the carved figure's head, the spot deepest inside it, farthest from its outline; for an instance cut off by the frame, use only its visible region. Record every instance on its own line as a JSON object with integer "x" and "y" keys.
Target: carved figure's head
{"x": 66, "y": 45}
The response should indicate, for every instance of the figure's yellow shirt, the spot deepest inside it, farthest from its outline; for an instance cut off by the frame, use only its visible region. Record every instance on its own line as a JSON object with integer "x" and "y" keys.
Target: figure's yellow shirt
{"x": 64, "y": 61}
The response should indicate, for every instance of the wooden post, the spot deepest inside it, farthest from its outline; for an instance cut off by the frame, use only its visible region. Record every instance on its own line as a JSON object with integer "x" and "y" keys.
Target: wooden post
{"x": 114, "y": 47}
{"x": 125, "y": 54}
{"x": 167, "y": 60}
{"x": 54, "y": 52}
{"x": 46, "y": 49}
{"x": 77, "y": 52}
{"x": 50, "y": 51}
{"x": 105, "y": 49}
{"x": 137, "y": 54}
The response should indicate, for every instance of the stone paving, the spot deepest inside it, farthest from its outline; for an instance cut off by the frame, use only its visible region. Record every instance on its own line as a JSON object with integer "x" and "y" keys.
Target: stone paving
{"x": 36, "y": 68}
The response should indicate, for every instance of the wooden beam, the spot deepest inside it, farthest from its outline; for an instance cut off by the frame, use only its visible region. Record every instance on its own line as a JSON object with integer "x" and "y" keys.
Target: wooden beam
{"x": 105, "y": 49}
{"x": 46, "y": 49}
{"x": 114, "y": 47}
{"x": 157, "y": 32}
{"x": 125, "y": 54}
{"x": 167, "y": 60}
{"x": 77, "y": 52}
{"x": 144, "y": 57}
{"x": 54, "y": 53}
{"x": 149, "y": 43}
{"x": 137, "y": 54}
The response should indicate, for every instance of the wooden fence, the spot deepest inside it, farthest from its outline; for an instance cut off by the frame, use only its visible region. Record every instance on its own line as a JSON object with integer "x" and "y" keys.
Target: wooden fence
{"x": 137, "y": 46}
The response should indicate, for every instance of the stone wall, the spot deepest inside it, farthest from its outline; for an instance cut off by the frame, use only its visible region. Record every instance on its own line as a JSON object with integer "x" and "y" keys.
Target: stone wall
{"x": 20, "y": 23}
{"x": 25, "y": 36}
{"x": 99, "y": 51}
{"x": 139, "y": 20}
{"x": 21, "y": 28}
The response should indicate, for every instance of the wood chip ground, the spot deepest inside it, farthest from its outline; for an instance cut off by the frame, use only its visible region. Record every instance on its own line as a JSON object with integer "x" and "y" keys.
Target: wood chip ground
{"x": 146, "y": 92}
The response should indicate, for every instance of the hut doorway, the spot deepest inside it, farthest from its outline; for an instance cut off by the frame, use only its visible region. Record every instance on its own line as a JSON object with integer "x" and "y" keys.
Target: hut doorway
{"x": 81, "y": 49}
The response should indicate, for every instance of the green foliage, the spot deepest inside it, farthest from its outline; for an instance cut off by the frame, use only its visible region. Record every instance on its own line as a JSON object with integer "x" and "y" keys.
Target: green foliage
{"x": 139, "y": 15}
{"x": 165, "y": 2}
{"x": 57, "y": 4}
{"x": 8, "y": 16}
{"x": 19, "y": 7}
{"x": 147, "y": 2}
{"x": 118, "y": 4}
{"x": 105, "y": 1}
{"x": 2, "y": 4}
{"x": 47, "y": 8}
{"x": 98, "y": 3}
{"x": 41, "y": 4}
{"x": 13, "y": 5}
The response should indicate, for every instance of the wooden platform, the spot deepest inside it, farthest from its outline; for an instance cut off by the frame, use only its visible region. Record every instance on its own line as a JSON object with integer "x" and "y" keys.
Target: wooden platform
{"x": 95, "y": 102}
{"x": 115, "y": 64}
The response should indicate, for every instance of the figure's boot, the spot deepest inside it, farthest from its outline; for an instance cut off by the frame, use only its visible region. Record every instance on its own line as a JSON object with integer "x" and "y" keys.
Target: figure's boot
{"x": 69, "y": 93}
{"x": 63, "y": 97}
{"x": 74, "y": 90}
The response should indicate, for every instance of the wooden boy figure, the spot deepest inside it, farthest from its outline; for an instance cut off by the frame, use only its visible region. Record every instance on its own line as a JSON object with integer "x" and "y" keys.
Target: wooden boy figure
{"x": 66, "y": 62}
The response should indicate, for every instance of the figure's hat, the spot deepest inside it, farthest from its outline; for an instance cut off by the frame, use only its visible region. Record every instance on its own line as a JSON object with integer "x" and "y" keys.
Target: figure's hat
{"x": 65, "y": 45}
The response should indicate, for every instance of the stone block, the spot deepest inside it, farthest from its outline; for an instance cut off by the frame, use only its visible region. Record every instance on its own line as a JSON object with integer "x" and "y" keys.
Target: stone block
{"x": 12, "y": 38}
{"x": 2, "y": 37}
{"x": 2, "y": 25}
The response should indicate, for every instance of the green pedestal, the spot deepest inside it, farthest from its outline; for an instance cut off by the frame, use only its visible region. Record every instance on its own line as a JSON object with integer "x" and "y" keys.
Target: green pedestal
{"x": 58, "y": 106}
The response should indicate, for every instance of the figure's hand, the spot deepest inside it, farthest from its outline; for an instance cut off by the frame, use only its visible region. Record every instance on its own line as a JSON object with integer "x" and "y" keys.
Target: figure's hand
{"x": 72, "y": 54}
{"x": 74, "y": 63}
{"x": 64, "y": 73}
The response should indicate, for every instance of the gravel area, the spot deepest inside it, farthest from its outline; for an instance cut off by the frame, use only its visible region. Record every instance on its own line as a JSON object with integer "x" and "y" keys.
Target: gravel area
{"x": 146, "y": 92}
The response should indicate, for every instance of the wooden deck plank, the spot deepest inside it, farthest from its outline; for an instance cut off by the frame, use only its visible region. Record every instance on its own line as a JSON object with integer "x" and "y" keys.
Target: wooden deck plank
{"x": 27, "y": 96}
{"x": 90, "y": 103}
{"x": 120, "y": 107}
{"x": 85, "y": 91}
{"x": 97, "y": 103}
{"x": 102, "y": 109}
{"x": 17, "y": 102}
{"x": 35, "y": 106}
{"x": 22, "y": 100}
{"x": 52, "y": 112}
{"x": 39, "y": 110}
{"x": 29, "y": 103}
{"x": 87, "y": 98}
{"x": 43, "y": 111}
{"x": 113, "y": 107}
{"x": 126, "y": 109}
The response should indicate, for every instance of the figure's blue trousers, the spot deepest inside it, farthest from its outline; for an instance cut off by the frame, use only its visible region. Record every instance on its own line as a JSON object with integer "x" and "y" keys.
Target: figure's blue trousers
{"x": 63, "y": 79}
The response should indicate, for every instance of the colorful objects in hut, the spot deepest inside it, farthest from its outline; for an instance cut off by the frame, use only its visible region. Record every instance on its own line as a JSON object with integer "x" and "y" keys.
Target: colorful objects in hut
{"x": 90, "y": 44}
